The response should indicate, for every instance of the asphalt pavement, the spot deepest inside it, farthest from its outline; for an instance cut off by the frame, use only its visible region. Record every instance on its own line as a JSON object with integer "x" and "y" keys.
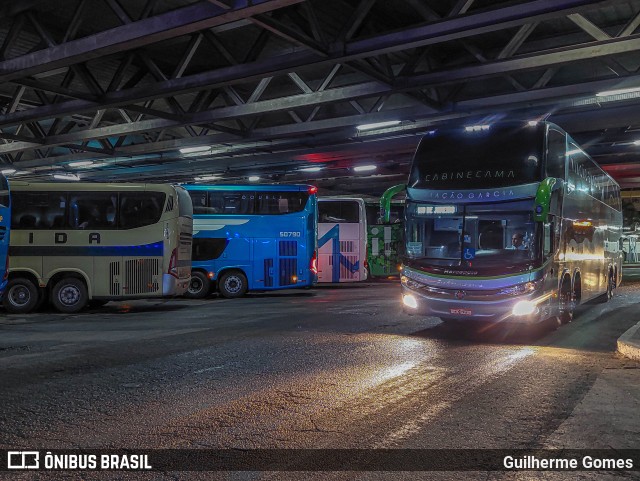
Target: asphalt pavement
{"x": 321, "y": 369}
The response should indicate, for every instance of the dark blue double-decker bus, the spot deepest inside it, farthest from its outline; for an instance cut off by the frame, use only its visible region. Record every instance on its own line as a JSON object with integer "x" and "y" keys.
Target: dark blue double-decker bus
{"x": 252, "y": 237}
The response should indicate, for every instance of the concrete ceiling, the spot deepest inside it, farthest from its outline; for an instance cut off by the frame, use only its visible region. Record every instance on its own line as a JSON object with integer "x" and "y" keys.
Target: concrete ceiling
{"x": 270, "y": 87}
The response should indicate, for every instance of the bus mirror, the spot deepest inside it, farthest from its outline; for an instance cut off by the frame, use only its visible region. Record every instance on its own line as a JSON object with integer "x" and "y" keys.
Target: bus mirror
{"x": 543, "y": 199}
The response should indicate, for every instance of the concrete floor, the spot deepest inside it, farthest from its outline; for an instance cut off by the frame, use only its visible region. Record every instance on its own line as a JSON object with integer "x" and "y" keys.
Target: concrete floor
{"x": 333, "y": 367}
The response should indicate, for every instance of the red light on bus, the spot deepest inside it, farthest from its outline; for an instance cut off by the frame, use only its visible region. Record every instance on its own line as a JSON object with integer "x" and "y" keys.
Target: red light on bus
{"x": 312, "y": 190}
{"x": 313, "y": 266}
{"x": 173, "y": 263}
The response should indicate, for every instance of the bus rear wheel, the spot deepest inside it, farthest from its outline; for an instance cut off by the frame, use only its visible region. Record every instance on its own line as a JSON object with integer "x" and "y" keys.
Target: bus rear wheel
{"x": 69, "y": 295}
{"x": 232, "y": 284}
{"x": 199, "y": 286}
{"x": 21, "y": 296}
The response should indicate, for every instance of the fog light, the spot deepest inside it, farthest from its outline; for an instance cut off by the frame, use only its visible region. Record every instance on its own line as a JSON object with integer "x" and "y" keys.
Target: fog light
{"x": 409, "y": 301}
{"x": 524, "y": 308}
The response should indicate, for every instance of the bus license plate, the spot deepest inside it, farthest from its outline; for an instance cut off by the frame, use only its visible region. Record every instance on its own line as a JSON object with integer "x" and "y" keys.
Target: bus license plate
{"x": 460, "y": 311}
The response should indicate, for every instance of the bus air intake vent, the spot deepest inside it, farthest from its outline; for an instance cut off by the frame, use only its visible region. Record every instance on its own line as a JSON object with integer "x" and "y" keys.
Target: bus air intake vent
{"x": 347, "y": 246}
{"x": 3, "y": 233}
{"x": 288, "y": 248}
{"x": 288, "y": 269}
{"x": 141, "y": 276}
{"x": 268, "y": 273}
{"x": 114, "y": 278}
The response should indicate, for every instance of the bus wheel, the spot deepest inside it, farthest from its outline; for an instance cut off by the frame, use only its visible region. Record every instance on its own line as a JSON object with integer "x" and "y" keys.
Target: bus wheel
{"x": 232, "y": 284}
{"x": 199, "y": 286}
{"x": 69, "y": 295}
{"x": 21, "y": 296}
{"x": 567, "y": 304}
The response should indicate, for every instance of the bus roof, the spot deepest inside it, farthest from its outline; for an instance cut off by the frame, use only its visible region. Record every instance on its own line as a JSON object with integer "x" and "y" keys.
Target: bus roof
{"x": 88, "y": 186}
{"x": 253, "y": 187}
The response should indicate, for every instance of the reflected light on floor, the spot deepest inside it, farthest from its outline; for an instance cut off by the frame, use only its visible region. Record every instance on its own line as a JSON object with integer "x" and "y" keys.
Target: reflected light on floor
{"x": 392, "y": 372}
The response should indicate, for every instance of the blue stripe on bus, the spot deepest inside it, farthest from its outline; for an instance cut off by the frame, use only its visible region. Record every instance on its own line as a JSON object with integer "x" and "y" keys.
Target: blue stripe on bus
{"x": 147, "y": 250}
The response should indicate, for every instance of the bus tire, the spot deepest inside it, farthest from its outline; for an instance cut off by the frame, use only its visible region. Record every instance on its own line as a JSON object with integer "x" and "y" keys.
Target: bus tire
{"x": 21, "y": 296}
{"x": 199, "y": 286}
{"x": 232, "y": 284}
{"x": 69, "y": 295}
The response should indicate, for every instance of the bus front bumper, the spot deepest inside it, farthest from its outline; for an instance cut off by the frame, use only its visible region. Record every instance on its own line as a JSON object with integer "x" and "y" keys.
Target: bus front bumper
{"x": 518, "y": 309}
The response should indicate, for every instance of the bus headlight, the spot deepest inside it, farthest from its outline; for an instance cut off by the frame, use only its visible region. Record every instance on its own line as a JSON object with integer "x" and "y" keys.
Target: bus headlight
{"x": 410, "y": 283}
{"x": 524, "y": 308}
{"x": 520, "y": 289}
{"x": 409, "y": 301}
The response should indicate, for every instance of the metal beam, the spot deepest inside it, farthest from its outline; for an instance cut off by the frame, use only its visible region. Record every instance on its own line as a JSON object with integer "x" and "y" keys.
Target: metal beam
{"x": 192, "y": 18}
{"x": 458, "y": 27}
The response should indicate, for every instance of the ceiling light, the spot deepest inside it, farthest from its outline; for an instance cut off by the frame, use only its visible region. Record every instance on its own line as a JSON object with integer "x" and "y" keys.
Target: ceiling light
{"x": 364, "y": 168}
{"x": 193, "y": 150}
{"x": 66, "y": 177}
{"x": 254, "y": 178}
{"x": 635, "y": 142}
{"x": 607, "y": 93}
{"x": 532, "y": 123}
{"x": 82, "y": 163}
{"x": 206, "y": 177}
{"x": 8, "y": 171}
{"x": 378, "y": 125}
{"x": 311, "y": 169}
{"x": 574, "y": 151}
{"x": 476, "y": 128}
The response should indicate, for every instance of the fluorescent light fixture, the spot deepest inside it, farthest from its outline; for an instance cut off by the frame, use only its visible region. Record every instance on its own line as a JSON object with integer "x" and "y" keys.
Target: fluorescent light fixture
{"x": 476, "y": 128}
{"x": 607, "y": 93}
{"x": 378, "y": 125}
{"x": 8, "y": 171}
{"x": 573, "y": 151}
{"x": 193, "y": 150}
{"x": 207, "y": 177}
{"x": 82, "y": 163}
{"x": 66, "y": 177}
{"x": 254, "y": 178}
{"x": 636, "y": 142}
{"x": 311, "y": 169}
{"x": 532, "y": 123}
{"x": 364, "y": 168}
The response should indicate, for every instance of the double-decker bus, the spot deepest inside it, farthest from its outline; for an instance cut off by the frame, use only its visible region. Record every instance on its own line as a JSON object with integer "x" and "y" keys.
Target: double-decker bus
{"x": 89, "y": 243}
{"x": 508, "y": 222}
{"x": 385, "y": 225}
{"x": 253, "y": 237}
{"x": 342, "y": 239}
{"x": 5, "y": 229}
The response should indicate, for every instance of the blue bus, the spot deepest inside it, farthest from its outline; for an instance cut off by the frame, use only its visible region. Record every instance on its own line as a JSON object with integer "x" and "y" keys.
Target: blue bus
{"x": 252, "y": 238}
{"x": 5, "y": 223}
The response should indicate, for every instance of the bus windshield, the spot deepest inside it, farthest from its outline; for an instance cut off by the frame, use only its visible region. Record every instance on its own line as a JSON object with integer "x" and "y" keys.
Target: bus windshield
{"x": 499, "y": 156}
{"x": 479, "y": 236}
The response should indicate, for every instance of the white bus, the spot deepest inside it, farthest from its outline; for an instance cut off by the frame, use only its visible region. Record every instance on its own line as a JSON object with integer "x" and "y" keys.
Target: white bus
{"x": 342, "y": 239}
{"x": 88, "y": 243}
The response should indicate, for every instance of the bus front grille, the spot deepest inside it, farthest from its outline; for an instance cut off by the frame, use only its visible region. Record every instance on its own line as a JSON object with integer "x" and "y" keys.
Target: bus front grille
{"x": 114, "y": 278}
{"x": 141, "y": 276}
{"x": 288, "y": 269}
